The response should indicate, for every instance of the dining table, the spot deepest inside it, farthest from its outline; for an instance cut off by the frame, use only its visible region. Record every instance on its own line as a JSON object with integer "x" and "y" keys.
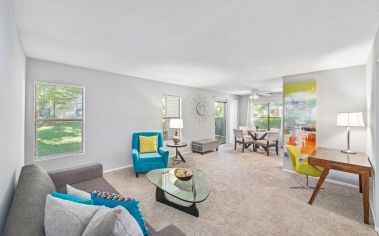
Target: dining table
{"x": 257, "y": 135}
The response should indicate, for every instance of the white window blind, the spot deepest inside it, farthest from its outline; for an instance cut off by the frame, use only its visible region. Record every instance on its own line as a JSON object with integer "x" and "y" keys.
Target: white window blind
{"x": 170, "y": 109}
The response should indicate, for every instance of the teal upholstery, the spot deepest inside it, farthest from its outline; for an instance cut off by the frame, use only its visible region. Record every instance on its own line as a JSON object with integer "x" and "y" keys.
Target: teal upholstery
{"x": 143, "y": 162}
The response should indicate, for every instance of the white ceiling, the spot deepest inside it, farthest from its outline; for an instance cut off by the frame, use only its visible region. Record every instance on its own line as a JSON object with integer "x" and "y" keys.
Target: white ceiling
{"x": 228, "y": 46}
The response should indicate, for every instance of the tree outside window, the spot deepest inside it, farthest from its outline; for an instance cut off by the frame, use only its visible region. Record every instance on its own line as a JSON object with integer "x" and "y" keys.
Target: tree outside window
{"x": 59, "y": 122}
{"x": 268, "y": 115}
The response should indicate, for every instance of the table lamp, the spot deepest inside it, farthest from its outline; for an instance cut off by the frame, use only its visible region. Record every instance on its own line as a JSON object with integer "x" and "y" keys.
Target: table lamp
{"x": 176, "y": 124}
{"x": 350, "y": 119}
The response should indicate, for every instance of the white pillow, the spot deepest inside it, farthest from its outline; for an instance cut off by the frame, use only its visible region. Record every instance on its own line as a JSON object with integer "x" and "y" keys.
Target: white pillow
{"x": 112, "y": 222}
{"x": 63, "y": 217}
{"x": 77, "y": 192}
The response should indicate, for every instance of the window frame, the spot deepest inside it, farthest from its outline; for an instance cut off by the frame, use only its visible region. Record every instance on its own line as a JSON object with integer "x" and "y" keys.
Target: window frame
{"x": 268, "y": 116}
{"x": 35, "y": 120}
{"x": 165, "y": 118}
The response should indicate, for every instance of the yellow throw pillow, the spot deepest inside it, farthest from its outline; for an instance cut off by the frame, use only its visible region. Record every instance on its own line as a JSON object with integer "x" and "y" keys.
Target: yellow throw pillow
{"x": 148, "y": 144}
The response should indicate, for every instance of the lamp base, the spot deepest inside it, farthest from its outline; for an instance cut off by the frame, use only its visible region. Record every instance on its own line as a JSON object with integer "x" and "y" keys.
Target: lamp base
{"x": 348, "y": 151}
{"x": 176, "y": 140}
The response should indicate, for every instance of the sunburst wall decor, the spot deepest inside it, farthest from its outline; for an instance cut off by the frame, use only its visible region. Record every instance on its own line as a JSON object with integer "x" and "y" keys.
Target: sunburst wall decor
{"x": 200, "y": 108}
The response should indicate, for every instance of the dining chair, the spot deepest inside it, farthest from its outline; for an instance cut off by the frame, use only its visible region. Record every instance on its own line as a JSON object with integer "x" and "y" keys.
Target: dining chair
{"x": 240, "y": 138}
{"x": 272, "y": 140}
{"x": 245, "y": 130}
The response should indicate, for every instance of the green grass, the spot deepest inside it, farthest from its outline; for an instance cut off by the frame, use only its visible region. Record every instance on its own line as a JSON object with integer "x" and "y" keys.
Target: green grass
{"x": 275, "y": 122}
{"x": 55, "y": 138}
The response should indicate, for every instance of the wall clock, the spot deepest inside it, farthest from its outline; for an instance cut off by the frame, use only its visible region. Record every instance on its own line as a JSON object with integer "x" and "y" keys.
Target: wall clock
{"x": 200, "y": 108}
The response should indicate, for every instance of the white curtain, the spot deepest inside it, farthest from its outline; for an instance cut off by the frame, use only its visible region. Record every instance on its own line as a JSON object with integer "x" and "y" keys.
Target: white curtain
{"x": 249, "y": 115}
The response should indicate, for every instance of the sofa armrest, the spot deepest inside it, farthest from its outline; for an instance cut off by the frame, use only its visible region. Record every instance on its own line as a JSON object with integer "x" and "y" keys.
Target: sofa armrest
{"x": 165, "y": 153}
{"x": 75, "y": 175}
{"x": 135, "y": 156}
{"x": 170, "y": 230}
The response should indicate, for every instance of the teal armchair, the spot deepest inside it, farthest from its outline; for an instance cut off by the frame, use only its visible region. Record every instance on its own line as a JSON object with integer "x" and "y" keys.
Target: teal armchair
{"x": 143, "y": 162}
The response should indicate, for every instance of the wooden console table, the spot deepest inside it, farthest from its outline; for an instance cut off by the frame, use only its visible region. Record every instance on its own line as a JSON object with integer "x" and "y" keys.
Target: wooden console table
{"x": 353, "y": 163}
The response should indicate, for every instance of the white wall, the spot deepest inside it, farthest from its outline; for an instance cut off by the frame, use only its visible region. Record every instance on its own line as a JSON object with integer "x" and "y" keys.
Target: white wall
{"x": 372, "y": 72}
{"x": 115, "y": 107}
{"x": 12, "y": 105}
{"x": 337, "y": 91}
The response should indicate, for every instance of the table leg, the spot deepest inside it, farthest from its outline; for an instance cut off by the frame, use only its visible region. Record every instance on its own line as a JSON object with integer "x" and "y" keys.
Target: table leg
{"x": 321, "y": 180}
{"x": 365, "y": 188}
{"x": 180, "y": 155}
{"x": 176, "y": 157}
{"x": 360, "y": 183}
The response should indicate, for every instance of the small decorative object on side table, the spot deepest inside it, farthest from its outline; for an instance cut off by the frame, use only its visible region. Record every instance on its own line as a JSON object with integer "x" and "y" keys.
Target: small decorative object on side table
{"x": 176, "y": 124}
{"x": 175, "y": 159}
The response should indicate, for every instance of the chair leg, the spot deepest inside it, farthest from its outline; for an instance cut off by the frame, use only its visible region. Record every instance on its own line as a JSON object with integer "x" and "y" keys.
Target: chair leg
{"x": 235, "y": 145}
{"x": 277, "y": 148}
{"x": 136, "y": 174}
{"x": 304, "y": 186}
{"x": 268, "y": 151}
{"x": 243, "y": 147}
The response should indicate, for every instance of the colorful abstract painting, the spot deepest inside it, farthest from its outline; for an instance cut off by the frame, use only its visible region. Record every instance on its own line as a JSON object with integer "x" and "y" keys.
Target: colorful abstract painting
{"x": 300, "y": 116}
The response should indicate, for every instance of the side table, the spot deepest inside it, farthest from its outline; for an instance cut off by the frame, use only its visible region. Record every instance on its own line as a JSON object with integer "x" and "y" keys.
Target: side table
{"x": 175, "y": 159}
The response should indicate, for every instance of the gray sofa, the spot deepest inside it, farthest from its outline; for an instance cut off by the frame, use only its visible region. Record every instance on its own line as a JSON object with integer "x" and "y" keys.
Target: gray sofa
{"x": 27, "y": 212}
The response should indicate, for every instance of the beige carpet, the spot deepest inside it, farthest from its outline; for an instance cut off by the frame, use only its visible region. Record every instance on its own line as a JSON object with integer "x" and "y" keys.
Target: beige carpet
{"x": 251, "y": 195}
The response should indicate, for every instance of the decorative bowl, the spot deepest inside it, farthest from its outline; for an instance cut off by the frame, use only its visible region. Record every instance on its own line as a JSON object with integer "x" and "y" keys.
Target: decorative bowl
{"x": 183, "y": 174}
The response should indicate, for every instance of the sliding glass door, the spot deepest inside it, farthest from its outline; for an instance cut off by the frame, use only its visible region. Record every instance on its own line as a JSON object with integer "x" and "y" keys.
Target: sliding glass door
{"x": 220, "y": 122}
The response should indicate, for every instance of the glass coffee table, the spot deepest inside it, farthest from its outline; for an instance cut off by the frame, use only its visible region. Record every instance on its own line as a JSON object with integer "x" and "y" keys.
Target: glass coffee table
{"x": 192, "y": 191}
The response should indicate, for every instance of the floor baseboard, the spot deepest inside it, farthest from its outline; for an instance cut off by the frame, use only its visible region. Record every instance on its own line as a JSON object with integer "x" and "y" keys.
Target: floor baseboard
{"x": 118, "y": 168}
{"x": 327, "y": 180}
{"x": 373, "y": 217}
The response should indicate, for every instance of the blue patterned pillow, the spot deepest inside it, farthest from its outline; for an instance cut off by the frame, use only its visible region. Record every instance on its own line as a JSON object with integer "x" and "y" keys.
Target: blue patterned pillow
{"x": 112, "y": 200}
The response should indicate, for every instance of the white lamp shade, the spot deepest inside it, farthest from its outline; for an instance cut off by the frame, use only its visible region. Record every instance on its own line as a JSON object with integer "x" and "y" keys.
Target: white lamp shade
{"x": 176, "y": 123}
{"x": 350, "y": 119}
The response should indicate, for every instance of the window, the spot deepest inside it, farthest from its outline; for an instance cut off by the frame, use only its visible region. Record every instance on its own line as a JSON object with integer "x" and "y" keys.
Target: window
{"x": 171, "y": 108}
{"x": 59, "y": 122}
{"x": 268, "y": 115}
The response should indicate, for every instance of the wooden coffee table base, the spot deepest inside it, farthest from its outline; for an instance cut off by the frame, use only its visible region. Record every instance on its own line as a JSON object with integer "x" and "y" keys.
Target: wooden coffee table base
{"x": 161, "y": 197}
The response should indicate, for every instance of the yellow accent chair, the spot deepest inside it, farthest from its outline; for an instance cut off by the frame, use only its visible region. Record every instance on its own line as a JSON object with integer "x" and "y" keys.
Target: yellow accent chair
{"x": 302, "y": 167}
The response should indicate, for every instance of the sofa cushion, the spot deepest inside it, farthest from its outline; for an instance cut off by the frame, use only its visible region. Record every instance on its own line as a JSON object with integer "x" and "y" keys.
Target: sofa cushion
{"x": 153, "y": 156}
{"x": 112, "y": 222}
{"x": 77, "y": 192}
{"x": 99, "y": 184}
{"x": 71, "y": 198}
{"x": 28, "y": 204}
{"x": 63, "y": 217}
{"x": 170, "y": 230}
